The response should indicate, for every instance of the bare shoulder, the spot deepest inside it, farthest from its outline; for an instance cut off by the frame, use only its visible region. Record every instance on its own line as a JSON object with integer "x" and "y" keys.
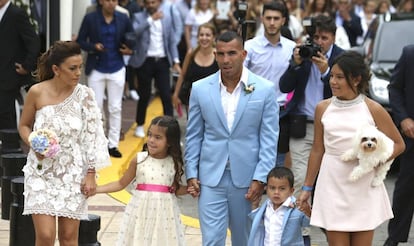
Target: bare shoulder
{"x": 321, "y": 108}
{"x": 323, "y": 105}
{"x": 38, "y": 94}
{"x": 378, "y": 112}
{"x": 374, "y": 107}
{"x": 38, "y": 89}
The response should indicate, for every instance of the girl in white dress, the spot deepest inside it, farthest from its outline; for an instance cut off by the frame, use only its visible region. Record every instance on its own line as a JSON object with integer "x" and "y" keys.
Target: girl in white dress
{"x": 348, "y": 210}
{"x": 152, "y": 216}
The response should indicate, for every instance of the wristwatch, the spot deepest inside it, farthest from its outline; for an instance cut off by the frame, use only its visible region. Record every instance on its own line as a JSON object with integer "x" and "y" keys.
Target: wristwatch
{"x": 261, "y": 182}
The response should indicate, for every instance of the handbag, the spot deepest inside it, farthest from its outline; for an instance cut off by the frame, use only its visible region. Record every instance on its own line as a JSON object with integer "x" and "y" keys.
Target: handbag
{"x": 283, "y": 142}
{"x": 297, "y": 126}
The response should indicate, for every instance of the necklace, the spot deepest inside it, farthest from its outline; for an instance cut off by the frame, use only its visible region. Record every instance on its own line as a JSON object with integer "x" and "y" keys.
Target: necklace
{"x": 346, "y": 103}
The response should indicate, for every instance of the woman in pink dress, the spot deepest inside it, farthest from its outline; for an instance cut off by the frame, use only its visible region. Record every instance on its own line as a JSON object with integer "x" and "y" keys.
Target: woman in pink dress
{"x": 349, "y": 211}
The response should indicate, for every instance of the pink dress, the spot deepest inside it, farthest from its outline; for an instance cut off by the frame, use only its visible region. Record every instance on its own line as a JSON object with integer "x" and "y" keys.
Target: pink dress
{"x": 340, "y": 204}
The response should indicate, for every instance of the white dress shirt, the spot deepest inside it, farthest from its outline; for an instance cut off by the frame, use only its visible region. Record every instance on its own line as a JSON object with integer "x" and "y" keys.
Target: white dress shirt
{"x": 229, "y": 101}
{"x": 269, "y": 61}
{"x": 156, "y": 45}
{"x": 273, "y": 221}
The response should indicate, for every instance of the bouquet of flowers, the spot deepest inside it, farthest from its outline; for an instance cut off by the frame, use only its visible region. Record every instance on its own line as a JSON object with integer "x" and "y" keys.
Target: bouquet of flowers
{"x": 45, "y": 142}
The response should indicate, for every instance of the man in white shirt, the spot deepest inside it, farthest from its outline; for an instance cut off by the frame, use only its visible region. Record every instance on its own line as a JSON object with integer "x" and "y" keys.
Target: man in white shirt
{"x": 156, "y": 51}
{"x": 268, "y": 55}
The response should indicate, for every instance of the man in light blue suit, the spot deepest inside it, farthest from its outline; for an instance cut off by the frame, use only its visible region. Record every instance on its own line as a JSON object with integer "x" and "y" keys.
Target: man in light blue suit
{"x": 231, "y": 143}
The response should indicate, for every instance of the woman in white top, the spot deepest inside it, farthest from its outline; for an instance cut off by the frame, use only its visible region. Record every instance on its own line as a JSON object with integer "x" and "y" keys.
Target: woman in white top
{"x": 202, "y": 12}
{"x": 367, "y": 16}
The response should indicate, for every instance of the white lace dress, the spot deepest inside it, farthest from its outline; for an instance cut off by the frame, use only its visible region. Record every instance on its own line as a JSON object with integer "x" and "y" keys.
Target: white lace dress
{"x": 152, "y": 218}
{"x": 55, "y": 188}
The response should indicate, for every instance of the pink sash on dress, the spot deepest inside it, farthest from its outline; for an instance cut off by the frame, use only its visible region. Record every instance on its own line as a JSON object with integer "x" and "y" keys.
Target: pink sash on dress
{"x": 154, "y": 187}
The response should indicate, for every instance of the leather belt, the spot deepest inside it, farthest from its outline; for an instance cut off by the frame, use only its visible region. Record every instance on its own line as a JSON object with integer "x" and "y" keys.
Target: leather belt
{"x": 155, "y": 58}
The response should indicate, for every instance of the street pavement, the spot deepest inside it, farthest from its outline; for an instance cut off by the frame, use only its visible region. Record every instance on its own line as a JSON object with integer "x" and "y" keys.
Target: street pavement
{"x": 111, "y": 210}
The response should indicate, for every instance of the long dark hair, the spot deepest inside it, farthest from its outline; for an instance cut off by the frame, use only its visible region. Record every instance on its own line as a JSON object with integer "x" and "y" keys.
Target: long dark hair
{"x": 55, "y": 55}
{"x": 173, "y": 134}
{"x": 353, "y": 65}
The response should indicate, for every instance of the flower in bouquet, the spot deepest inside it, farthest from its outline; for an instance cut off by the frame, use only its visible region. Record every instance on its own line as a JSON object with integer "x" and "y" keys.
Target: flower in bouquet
{"x": 44, "y": 142}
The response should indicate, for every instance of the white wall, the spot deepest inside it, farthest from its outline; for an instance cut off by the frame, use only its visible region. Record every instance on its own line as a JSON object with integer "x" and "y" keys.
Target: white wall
{"x": 79, "y": 10}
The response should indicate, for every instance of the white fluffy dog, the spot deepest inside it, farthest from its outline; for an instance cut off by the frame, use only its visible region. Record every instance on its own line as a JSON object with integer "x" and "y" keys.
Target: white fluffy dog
{"x": 372, "y": 148}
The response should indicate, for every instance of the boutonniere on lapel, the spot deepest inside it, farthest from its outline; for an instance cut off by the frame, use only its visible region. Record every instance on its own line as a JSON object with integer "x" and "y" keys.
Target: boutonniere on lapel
{"x": 249, "y": 88}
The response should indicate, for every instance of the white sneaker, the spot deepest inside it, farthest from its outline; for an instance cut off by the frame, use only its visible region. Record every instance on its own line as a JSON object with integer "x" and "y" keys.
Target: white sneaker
{"x": 134, "y": 95}
{"x": 139, "y": 132}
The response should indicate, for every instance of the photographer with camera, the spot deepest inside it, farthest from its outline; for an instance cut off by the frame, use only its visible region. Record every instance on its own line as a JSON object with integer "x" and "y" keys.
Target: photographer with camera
{"x": 308, "y": 77}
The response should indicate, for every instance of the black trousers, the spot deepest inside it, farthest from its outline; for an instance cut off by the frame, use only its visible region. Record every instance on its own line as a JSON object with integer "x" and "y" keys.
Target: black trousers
{"x": 130, "y": 77}
{"x": 8, "y": 109}
{"x": 403, "y": 199}
{"x": 159, "y": 70}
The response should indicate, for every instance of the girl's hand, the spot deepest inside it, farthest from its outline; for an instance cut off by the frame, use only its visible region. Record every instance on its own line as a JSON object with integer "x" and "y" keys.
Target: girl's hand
{"x": 192, "y": 191}
{"x": 193, "y": 187}
{"x": 305, "y": 208}
{"x": 302, "y": 201}
{"x": 88, "y": 186}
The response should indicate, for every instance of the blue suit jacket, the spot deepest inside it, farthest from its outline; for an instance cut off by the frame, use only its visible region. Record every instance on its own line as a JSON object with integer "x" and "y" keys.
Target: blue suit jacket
{"x": 250, "y": 145}
{"x": 142, "y": 32}
{"x": 401, "y": 89}
{"x": 352, "y": 28}
{"x": 293, "y": 221}
{"x": 296, "y": 79}
{"x": 90, "y": 34}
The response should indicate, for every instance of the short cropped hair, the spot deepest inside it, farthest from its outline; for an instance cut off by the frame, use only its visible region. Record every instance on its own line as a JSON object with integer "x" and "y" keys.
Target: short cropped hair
{"x": 324, "y": 23}
{"x": 276, "y": 6}
{"x": 282, "y": 172}
{"x": 230, "y": 36}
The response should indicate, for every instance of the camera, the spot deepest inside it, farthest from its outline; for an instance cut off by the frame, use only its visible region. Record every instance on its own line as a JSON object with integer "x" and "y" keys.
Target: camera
{"x": 309, "y": 48}
{"x": 241, "y": 11}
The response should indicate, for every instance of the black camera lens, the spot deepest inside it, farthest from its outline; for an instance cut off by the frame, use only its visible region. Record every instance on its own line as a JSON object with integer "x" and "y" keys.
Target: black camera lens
{"x": 309, "y": 49}
{"x": 305, "y": 52}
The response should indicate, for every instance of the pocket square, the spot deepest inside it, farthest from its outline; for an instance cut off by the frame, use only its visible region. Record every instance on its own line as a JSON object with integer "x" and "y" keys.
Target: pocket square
{"x": 255, "y": 101}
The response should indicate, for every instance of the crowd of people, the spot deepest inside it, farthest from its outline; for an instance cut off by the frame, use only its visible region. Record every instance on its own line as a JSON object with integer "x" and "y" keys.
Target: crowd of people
{"x": 271, "y": 106}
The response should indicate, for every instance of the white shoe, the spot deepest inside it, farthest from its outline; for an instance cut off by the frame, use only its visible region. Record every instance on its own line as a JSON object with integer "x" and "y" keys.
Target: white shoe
{"x": 134, "y": 95}
{"x": 139, "y": 132}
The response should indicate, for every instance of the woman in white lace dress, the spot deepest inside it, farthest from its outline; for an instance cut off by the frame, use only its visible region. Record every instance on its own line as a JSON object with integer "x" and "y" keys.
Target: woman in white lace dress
{"x": 58, "y": 186}
{"x": 152, "y": 216}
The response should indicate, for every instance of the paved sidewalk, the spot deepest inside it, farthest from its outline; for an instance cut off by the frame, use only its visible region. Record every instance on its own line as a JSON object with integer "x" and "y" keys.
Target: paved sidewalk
{"x": 111, "y": 210}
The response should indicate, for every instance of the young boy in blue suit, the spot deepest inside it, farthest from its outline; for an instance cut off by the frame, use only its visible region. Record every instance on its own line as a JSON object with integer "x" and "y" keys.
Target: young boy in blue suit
{"x": 277, "y": 221}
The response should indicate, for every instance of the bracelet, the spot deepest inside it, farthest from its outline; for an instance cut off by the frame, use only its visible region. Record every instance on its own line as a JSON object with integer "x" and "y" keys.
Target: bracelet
{"x": 307, "y": 188}
{"x": 91, "y": 170}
